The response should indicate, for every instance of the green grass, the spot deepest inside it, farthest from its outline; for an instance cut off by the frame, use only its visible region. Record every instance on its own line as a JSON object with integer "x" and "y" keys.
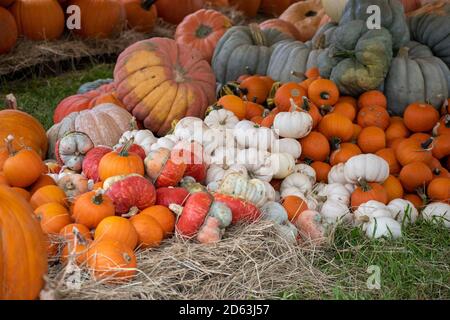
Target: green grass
{"x": 417, "y": 266}
{"x": 40, "y": 96}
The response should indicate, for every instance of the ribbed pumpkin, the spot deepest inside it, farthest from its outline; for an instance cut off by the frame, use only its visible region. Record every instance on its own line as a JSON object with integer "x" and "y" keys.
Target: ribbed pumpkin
{"x": 100, "y": 18}
{"x": 39, "y": 19}
{"x": 141, "y": 15}
{"x": 202, "y": 30}
{"x": 282, "y": 26}
{"x": 248, "y": 7}
{"x": 174, "y": 13}
{"x": 26, "y": 130}
{"x": 8, "y": 37}
{"x": 173, "y": 82}
{"x": 21, "y": 240}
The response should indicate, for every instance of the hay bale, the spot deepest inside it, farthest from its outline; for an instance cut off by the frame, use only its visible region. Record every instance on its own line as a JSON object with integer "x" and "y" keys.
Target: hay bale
{"x": 252, "y": 262}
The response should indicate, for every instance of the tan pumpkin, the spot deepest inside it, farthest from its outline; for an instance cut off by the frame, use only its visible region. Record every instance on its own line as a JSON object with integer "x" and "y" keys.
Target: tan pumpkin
{"x": 104, "y": 124}
{"x": 26, "y": 130}
{"x": 39, "y": 19}
{"x": 8, "y": 36}
{"x": 174, "y": 82}
{"x": 305, "y": 16}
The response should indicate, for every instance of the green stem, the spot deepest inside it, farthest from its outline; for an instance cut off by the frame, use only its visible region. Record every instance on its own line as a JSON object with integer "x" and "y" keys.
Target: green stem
{"x": 306, "y": 104}
{"x": 364, "y": 185}
{"x": 257, "y": 34}
{"x": 98, "y": 198}
{"x": 425, "y": 145}
{"x": 126, "y": 147}
{"x": 335, "y": 143}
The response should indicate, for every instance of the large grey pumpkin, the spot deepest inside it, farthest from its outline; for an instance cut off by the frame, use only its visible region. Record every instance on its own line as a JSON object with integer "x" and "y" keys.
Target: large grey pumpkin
{"x": 392, "y": 17}
{"x": 291, "y": 59}
{"x": 244, "y": 50}
{"x": 416, "y": 76}
{"x": 104, "y": 124}
{"x": 358, "y": 59}
{"x": 430, "y": 26}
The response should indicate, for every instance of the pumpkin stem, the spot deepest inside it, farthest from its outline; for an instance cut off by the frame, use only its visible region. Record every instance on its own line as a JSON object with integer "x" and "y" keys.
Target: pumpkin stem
{"x": 344, "y": 54}
{"x": 427, "y": 145}
{"x": 203, "y": 31}
{"x": 306, "y": 104}
{"x": 324, "y": 95}
{"x": 403, "y": 52}
{"x": 9, "y": 139}
{"x": 308, "y": 161}
{"x": 294, "y": 106}
{"x": 335, "y": 143}
{"x": 176, "y": 208}
{"x": 273, "y": 91}
{"x": 98, "y": 197}
{"x": 147, "y": 4}
{"x": 124, "y": 152}
{"x": 11, "y": 102}
{"x": 133, "y": 124}
{"x": 320, "y": 42}
{"x": 257, "y": 35}
{"x": 364, "y": 219}
{"x": 364, "y": 185}
{"x": 325, "y": 109}
{"x": 298, "y": 74}
{"x": 133, "y": 211}
{"x": 78, "y": 236}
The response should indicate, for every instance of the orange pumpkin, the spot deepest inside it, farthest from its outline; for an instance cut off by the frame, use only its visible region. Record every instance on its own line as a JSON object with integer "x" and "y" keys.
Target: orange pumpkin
{"x": 294, "y": 206}
{"x": 371, "y": 139}
{"x": 253, "y": 110}
{"x": 77, "y": 249}
{"x": 393, "y": 187}
{"x": 388, "y": 154}
{"x": 23, "y": 261}
{"x": 26, "y": 130}
{"x": 322, "y": 169}
{"x": 323, "y": 92}
{"x": 441, "y": 146}
{"x": 315, "y": 147}
{"x": 234, "y": 104}
{"x": 150, "y": 233}
{"x": 178, "y": 82}
{"x": 350, "y": 100}
{"x": 415, "y": 175}
{"x": 141, "y": 15}
{"x": 248, "y": 7}
{"x": 100, "y": 18}
{"x": 285, "y": 93}
{"x": 8, "y": 37}
{"x": 344, "y": 152}
{"x": 373, "y": 116}
{"x": 417, "y": 201}
{"x": 91, "y": 208}
{"x": 111, "y": 261}
{"x": 117, "y": 229}
{"x": 443, "y": 126}
{"x": 202, "y": 30}
{"x": 356, "y": 131}
{"x": 22, "y": 192}
{"x": 48, "y": 194}
{"x": 176, "y": 13}
{"x": 42, "y": 181}
{"x": 372, "y": 98}
{"x": 346, "y": 109}
{"x": 368, "y": 191}
{"x": 336, "y": 126}
{"x": 313, "y": 111}
{"x": 39, "y": 19}
{"x": 274, "y": 7}
{"x": 163, "y": 216}
{"x": 439, "y": 190}
{"x": 53, "y": 217}
{"x": 420, "y": 117}
{"x": 413, "y": 150}
{"x": 120, "y": 163}
{"x": 396, "y": 129}
{"x": 255, "y": 89}
{"x": 70, "y": 231}
{"x": 3, "y": 181}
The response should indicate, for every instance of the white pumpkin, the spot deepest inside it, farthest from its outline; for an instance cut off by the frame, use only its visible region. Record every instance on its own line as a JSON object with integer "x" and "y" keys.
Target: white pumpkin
{"x": 288, "y": 145}
{"x": 256, "y": 192}
{"x": 334, "y": 8}
{"x": 216, "y": 172}
{"x": 257, "y": 163}
{"x": 271, "y": 194}
{"x": 292, "y": 191}
{"x": 273, "y": 211}
{"x": 298, "y": 181}
{"x": 257, "y": 137}
{"x": 144, "y": 138}
{"x": 370, "y": 209}
{"x": 336, "y": 191}
{"x": 335, "y": 212}
{"x": 190, "y": 128}
{"x": 238, "y": 185}
{"x": 224, "y": 156}
{"x": 221, "y": 118}
{"x": 217, "y": 137}
{"x": 378, "y": 227}
{"x": 368, "y": 167}
{"x": 282, "y": 165}
{"x": 306, "y": 170}
{"x": 293, "y": 124}
{"x": 337, "y": 175}
{"x": 287, "y": 232}
{"x": 403, "y": 211}
{"x": 437, "y": 212}
{"x": 163, "y": 142}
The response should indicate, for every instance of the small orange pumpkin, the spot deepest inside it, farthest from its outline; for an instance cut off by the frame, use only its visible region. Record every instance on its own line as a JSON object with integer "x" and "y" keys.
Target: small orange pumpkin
{"x": 373, "y": 116}
{"x": 322, "y": 169}
{"x": 91, "y": 208}
{"x": 294, "y": 206}
{"x": 234, "y": 104}
{"x": 336, "y": 126}
{"x": 48, "y": 194}
{"x": 420, "y": 117}
{"x": 323, "y": 92}
{"x": 344, "y": 152}
{"x": 393, "y": 187}
{"x": 439, "y": 190}
{"x": 413, "y": 150}
{"x": 53, "y": 217}
{"x": 371, "y": 139}
{"x": 388, "y": 154}
{"x": 163, "y": 216}
{"x": 150, "y": 233}
{"x": 415, "y": 175}
{"x": 372, "y": 98}
{"x": 315, "y": 147}
{"x": 117, "y": 229}
{"x": 368, "y": 191}
{"x": 285, "y": 93}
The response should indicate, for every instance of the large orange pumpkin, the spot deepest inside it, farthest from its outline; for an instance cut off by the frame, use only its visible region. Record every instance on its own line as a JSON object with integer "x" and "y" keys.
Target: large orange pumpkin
{"x": 274, "y": 7}
{"x": 174, "y": 12}
{"x": 23, "y": 255}
{"x": 26, "y": 130}
{"x": 8, "y": 36}
{"x": 141, "y": 15}
{"x": 160, "y": 81}
{"x": 248, "y": 7}
{"x": 100, "y": 18}
{"x": 39, "y": 19}
{"x": 202, "y": 30}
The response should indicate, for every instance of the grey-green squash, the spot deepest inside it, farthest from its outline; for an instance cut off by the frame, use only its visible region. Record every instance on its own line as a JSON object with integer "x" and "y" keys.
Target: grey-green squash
{"x": 416, "y": 76}
{"x": 244, "y": 50}
{"x": 430, "y": 26}
{"x": 358, "y": 59}
{"x": 392, "y": 17}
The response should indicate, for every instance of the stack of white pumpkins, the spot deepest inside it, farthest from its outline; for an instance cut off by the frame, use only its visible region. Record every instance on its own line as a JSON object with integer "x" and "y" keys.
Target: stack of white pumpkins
{"x": 242, "y": 159}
